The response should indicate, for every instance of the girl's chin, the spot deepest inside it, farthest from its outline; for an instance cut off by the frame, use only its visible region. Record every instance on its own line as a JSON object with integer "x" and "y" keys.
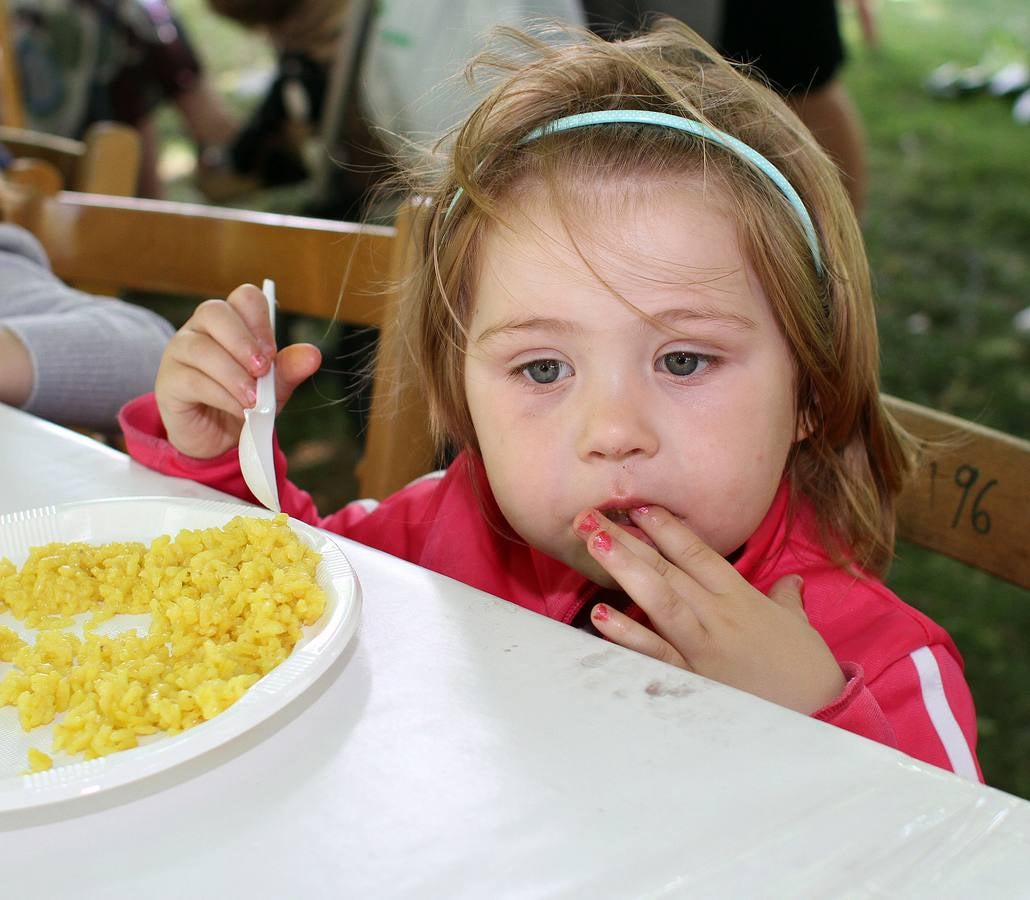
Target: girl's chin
{"x": 578, "y": 559}
{"x": 604, "y": 580}
{"x": 593, "y": 572}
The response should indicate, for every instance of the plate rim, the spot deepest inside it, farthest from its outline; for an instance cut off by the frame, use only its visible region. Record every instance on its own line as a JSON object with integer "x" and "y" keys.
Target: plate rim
{"x": 39, "y": 789}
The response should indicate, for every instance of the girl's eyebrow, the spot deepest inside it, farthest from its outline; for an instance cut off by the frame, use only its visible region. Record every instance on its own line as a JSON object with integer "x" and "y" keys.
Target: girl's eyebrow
{"x": 531, "y": 323}
{"x": 705, "y": 314}
{"x": 666, "y": 317}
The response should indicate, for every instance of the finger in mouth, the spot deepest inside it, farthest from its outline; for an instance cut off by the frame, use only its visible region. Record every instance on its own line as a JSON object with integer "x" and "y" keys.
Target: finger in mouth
{"x": 619, "y": 516}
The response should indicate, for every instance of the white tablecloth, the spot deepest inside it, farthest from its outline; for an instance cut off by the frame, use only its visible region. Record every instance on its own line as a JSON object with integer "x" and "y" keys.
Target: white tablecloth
{"x": 464, "y": 747}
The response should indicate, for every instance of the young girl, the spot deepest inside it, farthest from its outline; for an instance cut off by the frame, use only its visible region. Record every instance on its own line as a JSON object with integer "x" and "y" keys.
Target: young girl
{"x": 644, "y": 316}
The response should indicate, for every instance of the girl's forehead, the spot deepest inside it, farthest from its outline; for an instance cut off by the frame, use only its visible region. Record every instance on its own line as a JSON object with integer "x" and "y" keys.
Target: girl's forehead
{"x": 656, "y": 250}
{"x": 659, "y": 230}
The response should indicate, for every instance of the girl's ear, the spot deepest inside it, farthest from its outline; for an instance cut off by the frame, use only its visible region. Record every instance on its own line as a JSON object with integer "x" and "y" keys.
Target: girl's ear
{"x": 804, "y": 428}
{"x": 807, "y": 417}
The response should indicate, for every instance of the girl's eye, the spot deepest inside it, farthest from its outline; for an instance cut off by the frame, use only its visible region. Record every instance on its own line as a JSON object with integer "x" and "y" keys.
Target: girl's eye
{"x": 544, "y": 371}
{"x": 682, "y": 363}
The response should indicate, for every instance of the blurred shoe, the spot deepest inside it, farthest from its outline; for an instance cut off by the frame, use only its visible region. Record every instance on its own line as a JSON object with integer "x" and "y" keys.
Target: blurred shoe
{"x": 1021, "y": 109}
{"x": 1021, "y": 321}
{"x": 949, "y": 80}
{"x": 1010, "y": 80}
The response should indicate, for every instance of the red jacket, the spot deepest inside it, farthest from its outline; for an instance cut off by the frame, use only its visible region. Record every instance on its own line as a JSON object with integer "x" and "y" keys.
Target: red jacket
{"x": 905, "y": 686}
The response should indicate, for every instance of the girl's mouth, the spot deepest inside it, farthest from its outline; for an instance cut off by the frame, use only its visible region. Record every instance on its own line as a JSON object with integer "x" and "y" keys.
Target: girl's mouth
{"x": 619, "y": 515}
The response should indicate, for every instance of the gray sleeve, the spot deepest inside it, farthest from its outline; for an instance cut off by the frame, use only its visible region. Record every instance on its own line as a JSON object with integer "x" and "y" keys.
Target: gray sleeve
{"x": 90, "y": 354}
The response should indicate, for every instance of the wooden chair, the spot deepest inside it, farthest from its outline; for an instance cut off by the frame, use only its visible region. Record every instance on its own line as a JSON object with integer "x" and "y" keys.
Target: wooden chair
{"x": 35, "y": 177}
{"x": 105, "y": 161}
{"x": 322, "y": 268}
{"x": 971, "y": 497}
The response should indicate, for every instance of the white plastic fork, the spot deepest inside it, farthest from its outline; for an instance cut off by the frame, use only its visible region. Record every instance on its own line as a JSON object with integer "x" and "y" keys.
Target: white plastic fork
{"x": 256, "y": 460}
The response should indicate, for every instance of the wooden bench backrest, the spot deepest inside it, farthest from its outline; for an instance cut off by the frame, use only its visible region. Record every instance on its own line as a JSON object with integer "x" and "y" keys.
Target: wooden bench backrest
{"x": 321, "y": 268}
{"x": 970, "y": 499}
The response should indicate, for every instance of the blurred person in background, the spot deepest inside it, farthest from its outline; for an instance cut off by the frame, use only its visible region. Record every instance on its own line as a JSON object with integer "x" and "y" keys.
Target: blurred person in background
{"x": 269, "y": 149}
{"x": 85, "y": 61}
{"x": 796, "y": 46}
{"x": 402, "y": 51}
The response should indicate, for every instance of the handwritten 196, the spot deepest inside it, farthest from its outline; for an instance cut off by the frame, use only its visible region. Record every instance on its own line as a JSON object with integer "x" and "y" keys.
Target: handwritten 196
{"x": 967, "y": 477}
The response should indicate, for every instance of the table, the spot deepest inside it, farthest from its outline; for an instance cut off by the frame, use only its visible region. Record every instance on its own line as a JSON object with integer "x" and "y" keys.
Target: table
{"x": 463, "y": 747}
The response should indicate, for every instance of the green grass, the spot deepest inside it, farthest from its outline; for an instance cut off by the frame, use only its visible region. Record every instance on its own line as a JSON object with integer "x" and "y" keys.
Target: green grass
{"x": 948, "y": 235}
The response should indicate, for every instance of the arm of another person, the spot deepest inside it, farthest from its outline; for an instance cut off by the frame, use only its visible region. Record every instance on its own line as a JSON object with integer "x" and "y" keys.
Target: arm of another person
{"x": 834, "y": 120}
{"x": 86, "y": 356}
{"x": 15, "y": 369}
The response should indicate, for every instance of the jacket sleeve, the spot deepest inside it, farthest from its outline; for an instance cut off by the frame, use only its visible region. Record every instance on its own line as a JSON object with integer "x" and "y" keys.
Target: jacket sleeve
{"x": 147, "y": 443}
{"x": 919, "y": 704}
{"x": 399, "y": 525}
{"x": 89, "y": 354}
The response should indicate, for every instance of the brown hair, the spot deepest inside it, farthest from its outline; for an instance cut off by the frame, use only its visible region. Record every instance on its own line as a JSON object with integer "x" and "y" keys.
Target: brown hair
{"x": 854, "y": 461}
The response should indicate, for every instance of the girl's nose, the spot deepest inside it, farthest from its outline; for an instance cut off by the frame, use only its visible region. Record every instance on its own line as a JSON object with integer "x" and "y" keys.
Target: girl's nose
{"x": 617, "y": 426}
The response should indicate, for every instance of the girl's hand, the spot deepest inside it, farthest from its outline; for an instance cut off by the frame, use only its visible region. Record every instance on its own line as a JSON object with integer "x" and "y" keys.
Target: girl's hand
{"x": 707, "y": 618}
{"x": 209, "y": 370}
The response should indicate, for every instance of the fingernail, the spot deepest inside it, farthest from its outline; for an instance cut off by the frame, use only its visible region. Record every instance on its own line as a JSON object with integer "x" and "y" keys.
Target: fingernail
{"x": 251, "y": 396}
{"x": 602, "y": 541}
{"x": 257, "y": 363}
{"x": 588, "y": 524}
{"x": 642, "y": 510}
{"x": 601, "y": 613}
{"x": 798, "y": 582}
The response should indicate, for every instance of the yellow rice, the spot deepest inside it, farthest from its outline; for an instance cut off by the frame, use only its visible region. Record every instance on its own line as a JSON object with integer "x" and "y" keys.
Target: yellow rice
{"x": 39, "y": 761}
{"x": 227, "y": 605}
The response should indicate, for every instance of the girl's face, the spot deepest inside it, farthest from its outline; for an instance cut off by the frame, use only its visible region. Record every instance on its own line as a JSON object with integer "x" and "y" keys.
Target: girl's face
{"x": 578, "y": 401}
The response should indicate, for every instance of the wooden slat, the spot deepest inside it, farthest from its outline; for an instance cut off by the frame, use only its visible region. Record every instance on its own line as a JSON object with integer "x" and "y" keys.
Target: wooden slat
{"x": 971, "y": 497}
{"x": 61, "y": 152}
{"x": 12, "y": 110}
{"x": 115, "y": 243}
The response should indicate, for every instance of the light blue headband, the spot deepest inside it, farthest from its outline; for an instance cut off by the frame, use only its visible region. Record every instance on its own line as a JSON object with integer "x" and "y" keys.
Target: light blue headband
{"x": 689, "y": 126}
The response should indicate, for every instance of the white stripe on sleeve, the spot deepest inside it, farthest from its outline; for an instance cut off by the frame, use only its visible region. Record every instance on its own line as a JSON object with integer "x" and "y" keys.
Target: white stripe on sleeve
{"x": 943, "y": 719}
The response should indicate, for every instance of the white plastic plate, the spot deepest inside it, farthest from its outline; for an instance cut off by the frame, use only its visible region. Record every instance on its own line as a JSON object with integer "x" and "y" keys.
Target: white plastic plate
{"x": 143, "y": 519}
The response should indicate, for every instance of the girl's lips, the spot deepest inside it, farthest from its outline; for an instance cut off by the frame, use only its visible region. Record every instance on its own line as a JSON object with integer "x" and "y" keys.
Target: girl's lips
{"x": 619, "y": 515}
